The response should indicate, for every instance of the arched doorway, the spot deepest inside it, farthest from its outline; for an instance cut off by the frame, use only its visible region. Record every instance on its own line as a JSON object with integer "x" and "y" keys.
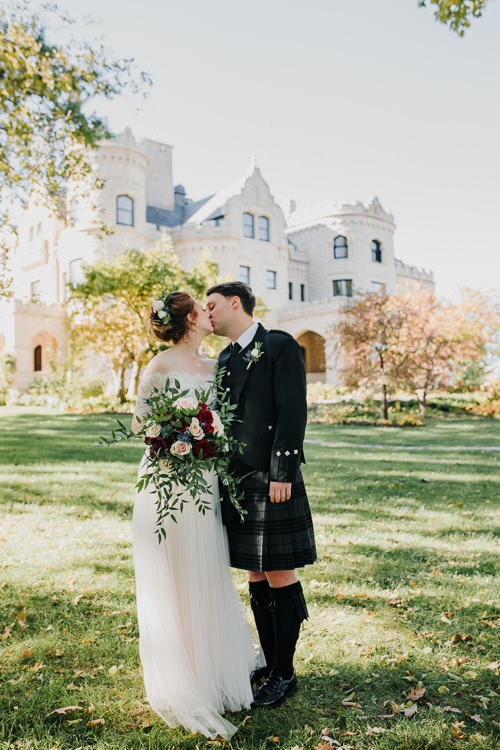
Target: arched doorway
{"x": 313, "y": 346}
{"x": 44, "y": 347}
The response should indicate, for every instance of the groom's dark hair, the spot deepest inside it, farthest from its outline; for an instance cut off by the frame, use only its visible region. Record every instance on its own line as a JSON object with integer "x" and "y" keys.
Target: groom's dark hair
{"x": 236, "y": 289}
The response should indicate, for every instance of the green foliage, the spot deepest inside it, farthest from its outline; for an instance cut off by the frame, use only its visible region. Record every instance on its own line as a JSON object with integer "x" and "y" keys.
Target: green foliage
{"x": 7, "y": 369}
{"x": 46, "y": 122}
{"x": 79, "y": 392}
{"x": 405, "y": 591}
{"x": 45, "y": 95}
{"x": 109, "y": 311}
{"x": 456, "y": 13}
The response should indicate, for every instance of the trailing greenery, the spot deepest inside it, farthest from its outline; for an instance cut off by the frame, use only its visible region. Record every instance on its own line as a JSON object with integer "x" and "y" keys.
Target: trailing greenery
{"x": 401, "y": 647}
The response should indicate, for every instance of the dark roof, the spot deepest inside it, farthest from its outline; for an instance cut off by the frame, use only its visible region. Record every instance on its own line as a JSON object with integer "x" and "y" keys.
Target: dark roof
{"x": 179, "y": 215}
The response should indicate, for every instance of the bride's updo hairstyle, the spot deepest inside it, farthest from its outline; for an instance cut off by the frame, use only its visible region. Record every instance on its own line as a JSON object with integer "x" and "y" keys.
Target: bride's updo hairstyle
{"x": 168, "y": 317}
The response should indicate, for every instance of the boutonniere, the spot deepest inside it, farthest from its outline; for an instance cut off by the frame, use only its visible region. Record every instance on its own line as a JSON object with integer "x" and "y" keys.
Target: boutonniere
{"x": 254, "y": 355}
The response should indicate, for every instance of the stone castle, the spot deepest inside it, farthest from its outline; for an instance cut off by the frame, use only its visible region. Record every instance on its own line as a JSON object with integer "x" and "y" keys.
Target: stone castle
{"x": 303, "y": 263}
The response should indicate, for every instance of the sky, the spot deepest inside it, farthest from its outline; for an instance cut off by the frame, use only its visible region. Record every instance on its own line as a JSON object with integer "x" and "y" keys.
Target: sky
{"x": 338, "y": 99}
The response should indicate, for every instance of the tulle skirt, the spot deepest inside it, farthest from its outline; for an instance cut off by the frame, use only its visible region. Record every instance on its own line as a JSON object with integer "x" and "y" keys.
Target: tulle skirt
{"x": 195, "y": 644}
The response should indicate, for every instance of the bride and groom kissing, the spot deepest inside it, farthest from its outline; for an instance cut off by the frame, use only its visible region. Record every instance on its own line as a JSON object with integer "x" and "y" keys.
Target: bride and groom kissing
{"x": 195, "y": 644}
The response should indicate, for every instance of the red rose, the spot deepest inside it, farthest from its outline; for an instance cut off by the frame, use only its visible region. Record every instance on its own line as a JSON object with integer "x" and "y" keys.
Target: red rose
{"x": 203, "y": 447}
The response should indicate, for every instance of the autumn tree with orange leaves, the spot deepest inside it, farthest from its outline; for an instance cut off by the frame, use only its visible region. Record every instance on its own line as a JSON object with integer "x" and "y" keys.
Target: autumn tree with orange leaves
{"x": 415, "y": 342}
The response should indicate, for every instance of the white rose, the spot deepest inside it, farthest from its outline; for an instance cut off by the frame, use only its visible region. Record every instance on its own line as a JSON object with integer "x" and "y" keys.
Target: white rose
{"x": 179, "y": 448}
{"x": 153, "y": 430}
{"x": 164, "y": 465}
{"x": 162, "y": 313}
{"x": 195, "y": 429}
{"x": 186, "y": 403}
{"x": 254, "y": 353}
{"x": 157, "y": 305}
{"x": 217, "y": 424}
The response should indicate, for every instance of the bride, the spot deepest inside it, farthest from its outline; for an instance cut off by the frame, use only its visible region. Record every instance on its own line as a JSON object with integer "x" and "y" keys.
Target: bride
{"x": 194, "y": 643}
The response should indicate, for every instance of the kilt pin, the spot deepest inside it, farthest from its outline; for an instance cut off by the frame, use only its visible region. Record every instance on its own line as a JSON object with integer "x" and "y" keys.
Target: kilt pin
{"x": 266, "y": 381}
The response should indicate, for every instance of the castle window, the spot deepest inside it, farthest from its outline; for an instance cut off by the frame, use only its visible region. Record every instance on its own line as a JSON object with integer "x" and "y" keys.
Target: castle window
{"x": 263, "y": 228}
{"x": 290, "y": 290}
{"x": 125, "y": 210}
{"x": 376, "y": 251}
{"x": 32, "y": 234}
{"x": 302, "y": 292}
{"x": 340, "y": 247}
{"x": 270, "y": 279}
{"x": 377, "y": 286}
{"x": 39, "y": 229}
{"x": 37, "y": 358}
{"x": 76, "y": 275}
{"x": 248, "y": 230}
{"x": 244, "y": 275}
{"x": 342, "y": 288}
{"x": 35, "y": 291}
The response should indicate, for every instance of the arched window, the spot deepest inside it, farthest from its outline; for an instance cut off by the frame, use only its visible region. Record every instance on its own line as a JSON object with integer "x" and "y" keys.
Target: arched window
{"x": 125, "y": 210}
{"x": 376, "y": 251}
{"x": 37, "y": 358}
{"x": 39, "y": 229}
{"x": 248, "y": 230}
{"x": 264, "y": 228}
{"x": 32, "y": 234}
{"x": 340, "y": 247}
{"x": 76, "y": 275}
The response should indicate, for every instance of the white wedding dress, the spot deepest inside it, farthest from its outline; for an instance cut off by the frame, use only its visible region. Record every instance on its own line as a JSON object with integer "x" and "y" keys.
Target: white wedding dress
{"x": 195, "y": 644}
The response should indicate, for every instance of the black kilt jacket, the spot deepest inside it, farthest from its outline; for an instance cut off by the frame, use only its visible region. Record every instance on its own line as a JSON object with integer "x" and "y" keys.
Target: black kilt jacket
{"x": 270, "y": 394}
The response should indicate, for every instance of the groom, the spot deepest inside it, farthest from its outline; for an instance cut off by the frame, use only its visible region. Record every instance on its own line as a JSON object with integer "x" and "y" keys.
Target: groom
{"x": 265, "y": 377}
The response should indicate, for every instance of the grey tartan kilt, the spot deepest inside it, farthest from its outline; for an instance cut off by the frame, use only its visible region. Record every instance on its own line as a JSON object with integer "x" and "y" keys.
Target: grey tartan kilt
{"x": 273, "y": 536}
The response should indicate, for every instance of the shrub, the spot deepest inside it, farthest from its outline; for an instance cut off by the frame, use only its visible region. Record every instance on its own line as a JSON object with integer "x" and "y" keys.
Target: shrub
{"x": 7, "y": 369}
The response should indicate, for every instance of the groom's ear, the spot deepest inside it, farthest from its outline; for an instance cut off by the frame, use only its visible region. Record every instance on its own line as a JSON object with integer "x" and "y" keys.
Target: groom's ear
{"x": 235, "y": 303}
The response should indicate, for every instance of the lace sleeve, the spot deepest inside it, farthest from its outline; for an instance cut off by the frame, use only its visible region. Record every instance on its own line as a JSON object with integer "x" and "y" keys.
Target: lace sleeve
{"x": 146, "y": 386}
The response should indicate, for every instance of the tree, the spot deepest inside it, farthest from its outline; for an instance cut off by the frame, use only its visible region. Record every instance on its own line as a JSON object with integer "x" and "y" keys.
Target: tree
{"x": 109, "y": 311}
{"x": 456, "y": 13}
{"x": 46, "y": 91}
{"x": 415, "y": 342}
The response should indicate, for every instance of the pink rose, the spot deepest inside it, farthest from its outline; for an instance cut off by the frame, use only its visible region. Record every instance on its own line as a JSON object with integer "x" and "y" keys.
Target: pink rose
{"x": 179, "y": 448}
{"x": 195, "y": 429}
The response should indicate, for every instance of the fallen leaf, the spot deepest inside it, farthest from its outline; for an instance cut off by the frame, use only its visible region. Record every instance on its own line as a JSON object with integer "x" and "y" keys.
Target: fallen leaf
{"x": 450, "y": 709}
{"x": 375, "y": 730}
{"x": 25, "y": 655}
{"x": 416, "y": 693}
{"x": 63, "y": 711}
{"x": 36, "y": 667}
{"x": 411, "y": 710}
{"x": 273, "y": 739}
{"x": 443, "y": 689}
{"x": 94, "y": 722}
{"x": 456, "y": 729}
{"x": 493, "y": 665}
{"x": 477, "y": 718}
{"x": 118, "y": 612}
{"x": 6, "y": 632}
{"x": 351, "y": 703}
{"x": 113, "y": 670}
{"x": 478, "y": 738}
{"x": 470, "y": 675}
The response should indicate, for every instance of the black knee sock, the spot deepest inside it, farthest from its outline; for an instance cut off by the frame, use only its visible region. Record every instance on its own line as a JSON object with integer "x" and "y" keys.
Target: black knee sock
{"x": 289, "y": 609}
{"x": 259, "y": 601}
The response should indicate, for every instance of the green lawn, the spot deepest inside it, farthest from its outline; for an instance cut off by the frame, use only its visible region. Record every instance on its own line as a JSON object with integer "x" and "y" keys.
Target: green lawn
{"x": 402, "y": 647}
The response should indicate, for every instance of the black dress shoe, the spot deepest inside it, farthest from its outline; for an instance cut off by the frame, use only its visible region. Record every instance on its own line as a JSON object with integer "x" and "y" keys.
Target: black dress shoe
{"x": 274, "y": 691}
{"x": 258, "y": 676}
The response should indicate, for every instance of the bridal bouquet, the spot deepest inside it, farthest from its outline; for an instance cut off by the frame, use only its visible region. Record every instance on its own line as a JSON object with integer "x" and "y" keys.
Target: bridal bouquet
{"x": 186, "y": 440}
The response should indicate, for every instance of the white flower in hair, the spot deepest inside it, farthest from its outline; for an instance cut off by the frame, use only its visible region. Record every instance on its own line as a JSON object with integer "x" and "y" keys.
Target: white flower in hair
{"x": 157, "y": 305}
